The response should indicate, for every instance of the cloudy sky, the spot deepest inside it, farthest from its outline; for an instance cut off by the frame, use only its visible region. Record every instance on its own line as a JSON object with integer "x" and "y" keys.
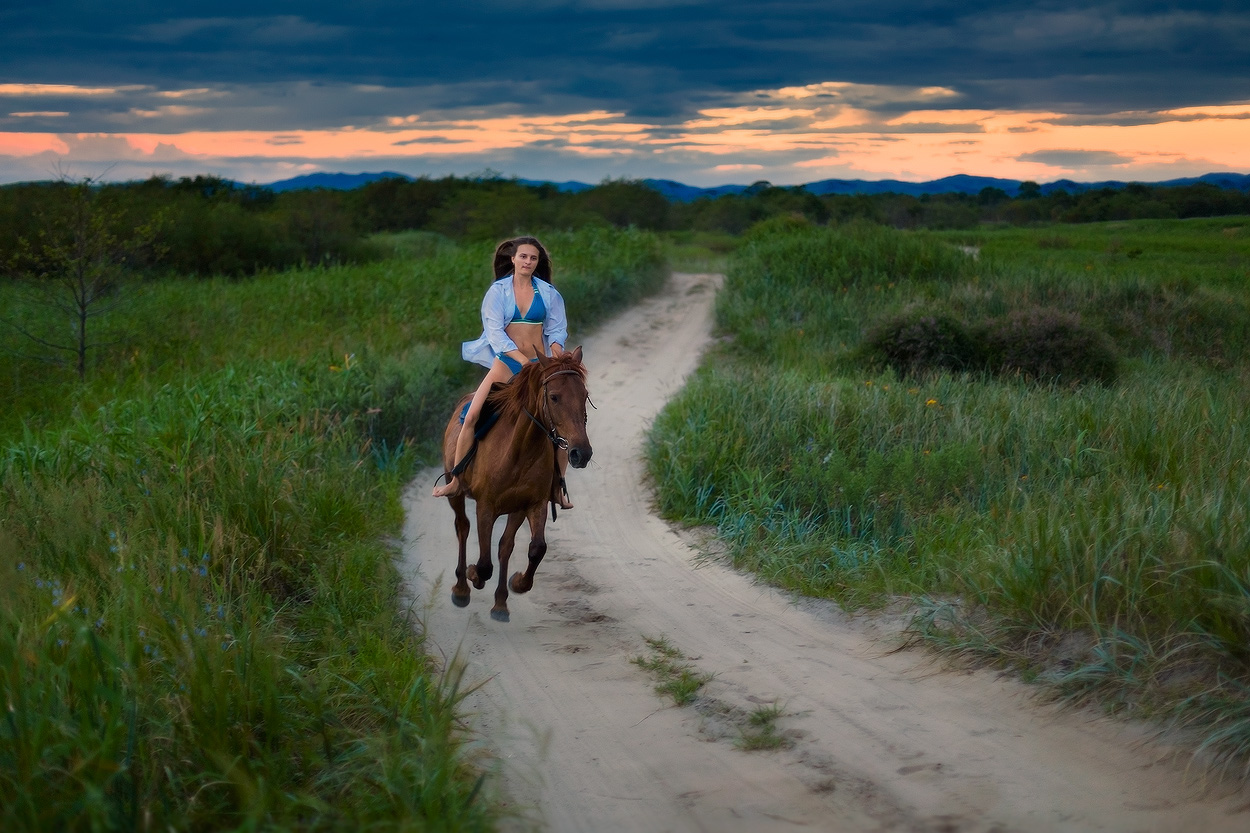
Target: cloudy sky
{"x": 702, "y": 91}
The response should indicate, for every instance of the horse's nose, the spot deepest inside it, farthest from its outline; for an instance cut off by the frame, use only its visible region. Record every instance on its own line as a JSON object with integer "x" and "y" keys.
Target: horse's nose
{"x": 579, "y": 457}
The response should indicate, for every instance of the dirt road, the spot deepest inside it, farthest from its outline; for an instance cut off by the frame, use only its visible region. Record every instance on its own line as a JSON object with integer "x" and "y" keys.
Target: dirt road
{"x": 881, "y": 741}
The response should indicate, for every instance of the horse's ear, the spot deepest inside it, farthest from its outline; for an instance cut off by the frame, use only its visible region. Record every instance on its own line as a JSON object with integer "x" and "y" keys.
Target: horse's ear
{"x": 577, "y": 353}
{"x": 544, "y": 360}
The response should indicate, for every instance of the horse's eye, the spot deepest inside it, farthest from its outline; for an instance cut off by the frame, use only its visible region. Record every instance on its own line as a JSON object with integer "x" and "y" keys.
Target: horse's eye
{"x": 555, "y": 397}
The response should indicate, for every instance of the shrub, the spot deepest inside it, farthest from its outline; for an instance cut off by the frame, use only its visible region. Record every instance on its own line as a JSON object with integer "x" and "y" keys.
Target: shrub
{"x": 1049, "y": 345}
{"x": 779, "y": 224}
{"x": 920, "y": 341}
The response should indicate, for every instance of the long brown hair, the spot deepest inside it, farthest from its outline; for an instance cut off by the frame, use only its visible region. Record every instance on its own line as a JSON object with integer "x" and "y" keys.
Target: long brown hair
{"x": 505, "y": 250}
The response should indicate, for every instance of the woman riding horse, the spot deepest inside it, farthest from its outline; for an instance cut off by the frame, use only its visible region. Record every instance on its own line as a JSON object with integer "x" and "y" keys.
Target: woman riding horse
{"x": 522, "y": 318}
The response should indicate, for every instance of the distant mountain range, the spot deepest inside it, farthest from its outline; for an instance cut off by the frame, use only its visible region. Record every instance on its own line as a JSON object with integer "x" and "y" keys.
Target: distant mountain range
{"x": 958, "y": 184}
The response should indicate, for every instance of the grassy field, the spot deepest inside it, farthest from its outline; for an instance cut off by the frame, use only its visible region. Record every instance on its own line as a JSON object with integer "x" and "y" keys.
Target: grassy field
{"x": 1094, "y": 535}
{"x": 200, "y": 618}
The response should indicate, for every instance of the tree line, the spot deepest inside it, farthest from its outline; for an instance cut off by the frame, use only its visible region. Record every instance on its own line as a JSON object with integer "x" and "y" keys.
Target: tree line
{"x": 206, "y": 225}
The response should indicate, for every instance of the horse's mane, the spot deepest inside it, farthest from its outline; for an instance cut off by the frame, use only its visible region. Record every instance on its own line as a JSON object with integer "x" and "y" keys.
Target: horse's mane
{"x": 525, "y": 389}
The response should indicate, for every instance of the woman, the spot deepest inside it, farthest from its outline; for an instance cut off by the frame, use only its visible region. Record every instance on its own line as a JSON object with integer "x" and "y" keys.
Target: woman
{"x": 522, "y": 317}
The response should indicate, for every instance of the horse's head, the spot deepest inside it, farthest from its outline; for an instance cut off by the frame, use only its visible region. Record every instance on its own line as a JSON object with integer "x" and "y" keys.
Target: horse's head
{"x": 564, "y": 402}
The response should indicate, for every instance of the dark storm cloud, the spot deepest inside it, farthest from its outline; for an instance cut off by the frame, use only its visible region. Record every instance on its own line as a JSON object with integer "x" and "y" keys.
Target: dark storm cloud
{"x": 650, "y": 59}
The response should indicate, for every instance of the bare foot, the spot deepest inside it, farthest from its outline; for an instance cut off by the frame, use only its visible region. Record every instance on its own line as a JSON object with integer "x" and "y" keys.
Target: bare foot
{"x": 562, "y": 496}
{"x": 449, "y": 488}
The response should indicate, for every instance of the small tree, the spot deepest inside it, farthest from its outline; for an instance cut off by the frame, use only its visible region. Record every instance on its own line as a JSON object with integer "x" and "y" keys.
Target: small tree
{"x": 74, "y": 267}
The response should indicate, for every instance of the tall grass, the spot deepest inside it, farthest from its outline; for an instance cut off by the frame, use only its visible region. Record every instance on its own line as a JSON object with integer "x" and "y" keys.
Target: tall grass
{"x": 201, "y": 625}
{"x": 395, "y": 316}
{"x": 201, "y": 620}
{"x": 1096, "y": 537}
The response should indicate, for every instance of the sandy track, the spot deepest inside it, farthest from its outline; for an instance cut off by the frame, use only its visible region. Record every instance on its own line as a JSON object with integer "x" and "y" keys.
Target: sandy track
{"x": 882, "y": 741}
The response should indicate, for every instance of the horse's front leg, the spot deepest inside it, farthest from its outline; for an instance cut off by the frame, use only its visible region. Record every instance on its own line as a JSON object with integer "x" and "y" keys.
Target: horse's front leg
{"x": 481, "y": 572}
{"x": 506, "y": 542}
{"x": 460, "y": 590}
{"x": 523, "y": 582}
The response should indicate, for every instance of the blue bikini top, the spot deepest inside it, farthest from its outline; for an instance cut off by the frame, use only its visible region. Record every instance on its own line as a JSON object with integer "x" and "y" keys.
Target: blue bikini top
{"x": 536, "y": 314}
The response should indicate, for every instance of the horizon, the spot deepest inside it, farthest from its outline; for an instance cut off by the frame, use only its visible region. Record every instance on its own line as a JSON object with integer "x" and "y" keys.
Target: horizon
{"x": 699, "y": 92}
{"x": 367, "y": 176}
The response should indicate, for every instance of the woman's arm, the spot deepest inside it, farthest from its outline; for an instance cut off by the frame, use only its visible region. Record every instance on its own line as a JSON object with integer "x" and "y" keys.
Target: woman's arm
{"x": 556, "y": 327}
{"x": 496, "y": 313}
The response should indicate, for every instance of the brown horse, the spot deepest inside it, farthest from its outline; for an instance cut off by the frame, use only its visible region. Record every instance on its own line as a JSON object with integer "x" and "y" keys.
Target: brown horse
{"x": 514, "y": 469}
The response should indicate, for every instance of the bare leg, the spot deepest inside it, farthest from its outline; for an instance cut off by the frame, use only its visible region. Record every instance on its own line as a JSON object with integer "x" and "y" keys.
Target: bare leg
{"x": 562, "y": 497}
{"x": 499, "y": 372}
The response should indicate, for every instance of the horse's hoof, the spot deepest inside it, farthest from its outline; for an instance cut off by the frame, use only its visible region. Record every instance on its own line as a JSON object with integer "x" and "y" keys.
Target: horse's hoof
{"x": 518, "y": 584}
{"x": 500, "y": 615}
{"x": 479, "y": 577}
{"x": 460, "y": 601}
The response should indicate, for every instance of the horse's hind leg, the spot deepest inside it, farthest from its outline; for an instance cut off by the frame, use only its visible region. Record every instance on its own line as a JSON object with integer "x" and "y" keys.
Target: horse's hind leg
{"x": 506, "y": 543}
{"x": 523, "y": 582}
{"x": 460, "y": 590}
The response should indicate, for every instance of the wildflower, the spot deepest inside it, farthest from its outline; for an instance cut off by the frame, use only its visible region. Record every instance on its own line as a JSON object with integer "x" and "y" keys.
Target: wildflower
{"x": 203, "y": 571}
{"x": 201, "y": 631}
{"x": 21, "y": 565}
{"x": 868, "y": 383}
{"x": 930, "y": 402}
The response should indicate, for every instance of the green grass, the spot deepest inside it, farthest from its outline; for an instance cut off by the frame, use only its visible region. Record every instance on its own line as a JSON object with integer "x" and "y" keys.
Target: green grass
{"x": 760, "y": 732}
{"x": 675, "y": 677}
{"x": 1095, "y": 537}
{"x": 200, "y": 616}
{"x": 694, "y": 251}
{"x": 202, "y": 627}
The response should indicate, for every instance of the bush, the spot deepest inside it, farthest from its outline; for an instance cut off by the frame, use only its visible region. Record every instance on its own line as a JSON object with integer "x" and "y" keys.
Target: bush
{"x": 777, "y": 225}
{"x": 1039, "y": 344}
{"x": 1044, "y": 344}
{"x": 920, "y": 341}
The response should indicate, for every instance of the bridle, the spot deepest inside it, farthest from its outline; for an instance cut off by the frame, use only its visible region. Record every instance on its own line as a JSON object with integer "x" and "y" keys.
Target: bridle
{"x": 550, "y": 432}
